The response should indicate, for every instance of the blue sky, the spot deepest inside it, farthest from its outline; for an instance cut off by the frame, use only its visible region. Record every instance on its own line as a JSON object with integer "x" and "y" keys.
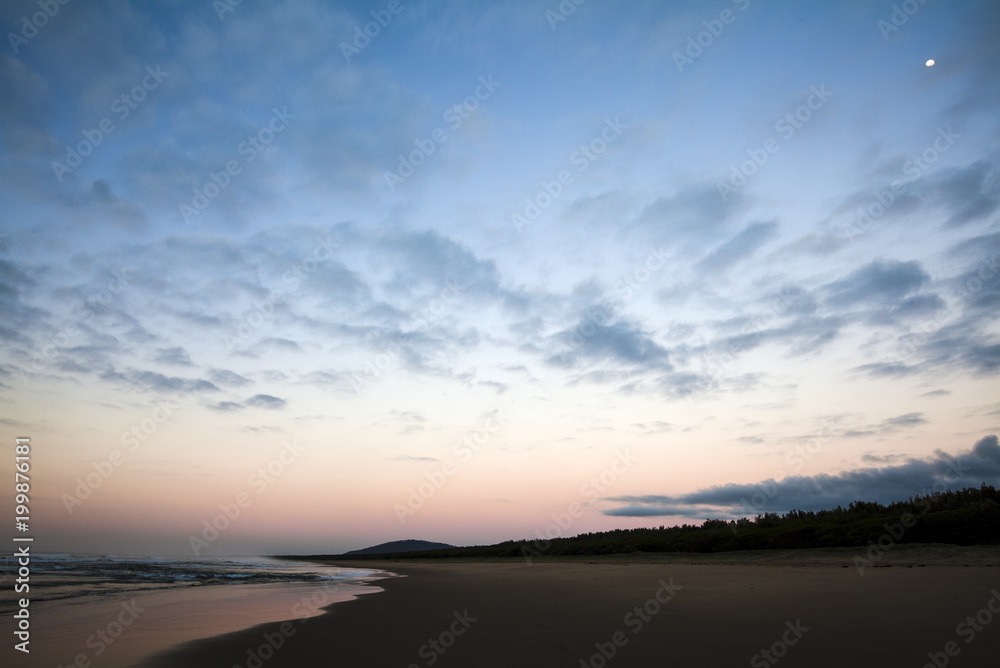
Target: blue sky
{"x": 707, "y": 233}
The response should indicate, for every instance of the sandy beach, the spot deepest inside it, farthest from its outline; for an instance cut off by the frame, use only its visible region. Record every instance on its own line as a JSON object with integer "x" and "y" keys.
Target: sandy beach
{"x": 808, "y": 608}
{"x": 120, "y": 631}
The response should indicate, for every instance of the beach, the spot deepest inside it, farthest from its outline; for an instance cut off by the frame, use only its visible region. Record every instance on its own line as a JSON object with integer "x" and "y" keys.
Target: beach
{"x": 803, "y": 608}
{"x": 114, "y": 612}
{"x": 120, "y": 631}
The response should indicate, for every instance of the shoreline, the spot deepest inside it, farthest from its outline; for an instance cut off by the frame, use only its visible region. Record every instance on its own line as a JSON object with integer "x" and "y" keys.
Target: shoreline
{"x": 899, "y": 556}
{"x": 559, "y": 612}
{"x": 124, "y": 629}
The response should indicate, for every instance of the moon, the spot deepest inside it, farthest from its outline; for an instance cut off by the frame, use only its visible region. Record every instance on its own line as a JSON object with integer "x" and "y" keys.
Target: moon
{"x": 930, "y": 63}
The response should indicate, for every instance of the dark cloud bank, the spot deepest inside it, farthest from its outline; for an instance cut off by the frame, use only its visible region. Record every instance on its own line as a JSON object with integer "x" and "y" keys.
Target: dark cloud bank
{"x": 882, "y": 484}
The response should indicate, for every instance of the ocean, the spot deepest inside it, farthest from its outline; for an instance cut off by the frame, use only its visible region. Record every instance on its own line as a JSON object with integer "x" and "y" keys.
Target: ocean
{"x": 113, "y": 610}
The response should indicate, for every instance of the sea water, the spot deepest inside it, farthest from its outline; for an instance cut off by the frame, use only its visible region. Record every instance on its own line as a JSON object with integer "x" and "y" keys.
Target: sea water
{"x": 109, "y": 610}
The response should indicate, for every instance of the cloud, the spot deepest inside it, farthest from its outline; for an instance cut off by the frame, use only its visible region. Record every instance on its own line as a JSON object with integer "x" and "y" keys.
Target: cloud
{"x": 880, "y": 281}
{"x": 256, "y": 401}
{"x": 176, "y": 356}
{"x": 963, "y": 345}
{"x": 976, "y": 56}
{"x": 742, "y": 245}
{"x": 410, "y": 421}
{"x": 495, "y": 385}
{"x": 25, "y": 115}
{"x": 979, "y": 284}
{"x": 970, "y": 193}
{"x": 428, "y": 257}
{"x": 265, "y": 401}
{"x": 869, "y": 458}
{"x": 621, "y": 342}
{"x": 226, "y": 406}
{"x": 914, "y": 306}
{"x": 693, "y": 214}
{"x": 16, "y": 286}
{"x": 99, "y": 205}
{"x": 432, "y": 270}
{"x": 407, "y": 416}
{"x": 983, "y": 359}
{"x": 803, "y": 334}
{"x": 151, "y": 381}
{"x": 341, "y": 383}
{"x": 907, "y": 420}
{"x": 230, "y": 378}
{"x": 274, "y": 343}
{"x": 823, "y": 491}
{"x": 963, "y": 195}
{"x": 654, "y": 427}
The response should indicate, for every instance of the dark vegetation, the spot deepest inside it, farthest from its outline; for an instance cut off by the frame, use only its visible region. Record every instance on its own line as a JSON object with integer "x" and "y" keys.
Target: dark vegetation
{"x": 965, "y": 517}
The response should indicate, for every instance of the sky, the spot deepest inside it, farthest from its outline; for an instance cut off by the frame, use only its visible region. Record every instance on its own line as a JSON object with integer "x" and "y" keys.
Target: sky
{"x": 302, "y": 277}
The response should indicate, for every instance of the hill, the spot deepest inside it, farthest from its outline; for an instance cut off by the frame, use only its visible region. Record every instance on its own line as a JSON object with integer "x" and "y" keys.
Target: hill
{"x": 964, "y": 517}
{"x": 395, "y": 546}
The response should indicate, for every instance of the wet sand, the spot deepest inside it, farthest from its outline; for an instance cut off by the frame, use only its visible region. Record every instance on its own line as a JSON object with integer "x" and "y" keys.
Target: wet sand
{"x": 119, "y": 631}
{"x": 803, "y": 610}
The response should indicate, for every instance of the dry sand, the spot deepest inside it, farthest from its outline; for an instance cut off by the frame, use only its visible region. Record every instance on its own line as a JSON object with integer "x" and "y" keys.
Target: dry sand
{"x": 810, "y": 607}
